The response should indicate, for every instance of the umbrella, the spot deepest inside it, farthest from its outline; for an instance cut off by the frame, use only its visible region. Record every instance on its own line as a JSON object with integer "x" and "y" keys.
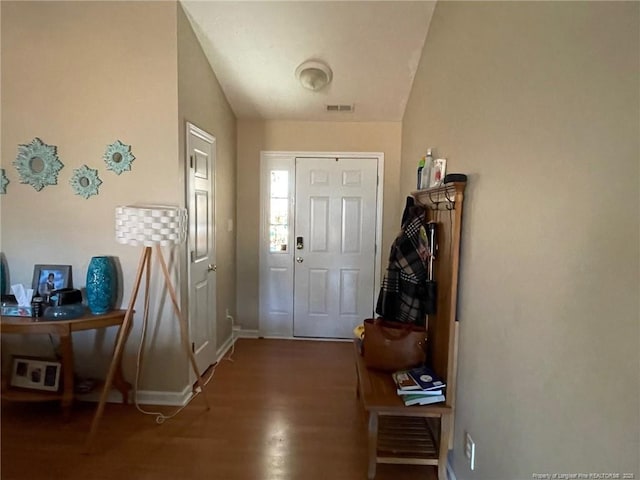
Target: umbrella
{"x": 431, "y": 286}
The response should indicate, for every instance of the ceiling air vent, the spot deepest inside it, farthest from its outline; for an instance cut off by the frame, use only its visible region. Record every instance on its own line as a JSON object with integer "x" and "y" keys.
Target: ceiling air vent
{"x": 340, "y": 108}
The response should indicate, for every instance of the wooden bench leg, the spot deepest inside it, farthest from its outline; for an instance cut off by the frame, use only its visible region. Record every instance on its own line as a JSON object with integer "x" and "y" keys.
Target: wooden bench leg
{"x": 373, "y": 444}
{"x": 445, "y": 433}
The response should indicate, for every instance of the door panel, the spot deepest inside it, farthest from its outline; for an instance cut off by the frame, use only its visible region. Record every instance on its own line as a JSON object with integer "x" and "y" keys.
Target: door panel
{"x": 336, "y": 216}
{"x": 318, "y": 286}
{"x": 319, "y": 224}
{"x": 351, "y": 225}
{"x": 349, "y": 291}
{"x": 200, "y": 198}
{"x": 278, "y": 302}
{"x": 201, "y": 226}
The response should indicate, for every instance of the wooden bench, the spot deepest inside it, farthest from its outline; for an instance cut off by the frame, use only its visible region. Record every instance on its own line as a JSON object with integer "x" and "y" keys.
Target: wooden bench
{"x": 416, "y": 435}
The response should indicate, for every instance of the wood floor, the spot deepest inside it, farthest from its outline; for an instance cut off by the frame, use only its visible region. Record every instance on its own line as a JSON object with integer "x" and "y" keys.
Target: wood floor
{"x": 281, "y": 410}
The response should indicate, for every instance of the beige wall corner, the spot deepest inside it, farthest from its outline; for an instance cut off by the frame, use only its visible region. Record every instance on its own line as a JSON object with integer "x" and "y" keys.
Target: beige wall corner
{"x": 256, "y": 136}
{"x": 538, "y": 102}
{"x": 202, "y": 102}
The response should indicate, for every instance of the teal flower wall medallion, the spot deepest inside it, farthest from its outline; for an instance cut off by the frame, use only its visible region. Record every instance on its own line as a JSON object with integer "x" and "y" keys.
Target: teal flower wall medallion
{"x": 4, "y": 181}
{"x": 85, "y": 181}
{"x": 118, "y": 157}
{"x": 38, "y": 164}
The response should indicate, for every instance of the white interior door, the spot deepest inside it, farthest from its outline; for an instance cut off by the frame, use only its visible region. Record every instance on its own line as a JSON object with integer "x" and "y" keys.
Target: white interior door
{"x": 334, "y": 245}
{"x": 201, "y": 154}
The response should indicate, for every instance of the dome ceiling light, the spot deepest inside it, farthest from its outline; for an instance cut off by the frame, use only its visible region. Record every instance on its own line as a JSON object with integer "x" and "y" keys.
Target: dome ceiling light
{"x": 314, "y": 75}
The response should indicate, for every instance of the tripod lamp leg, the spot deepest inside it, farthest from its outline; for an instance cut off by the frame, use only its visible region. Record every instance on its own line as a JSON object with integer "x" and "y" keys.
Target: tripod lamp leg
{"x": 123, "y": 332}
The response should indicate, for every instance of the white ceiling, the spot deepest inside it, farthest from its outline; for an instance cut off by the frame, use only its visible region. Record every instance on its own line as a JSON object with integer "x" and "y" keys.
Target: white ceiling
{"x": 373, "y": 48}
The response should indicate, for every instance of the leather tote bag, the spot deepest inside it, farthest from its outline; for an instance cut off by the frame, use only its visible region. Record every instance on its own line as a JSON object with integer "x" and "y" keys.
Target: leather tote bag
{"x": 393, "y": 346}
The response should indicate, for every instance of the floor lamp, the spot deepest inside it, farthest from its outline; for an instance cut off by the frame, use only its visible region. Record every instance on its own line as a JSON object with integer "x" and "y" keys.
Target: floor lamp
{"x": 153, "y": 227}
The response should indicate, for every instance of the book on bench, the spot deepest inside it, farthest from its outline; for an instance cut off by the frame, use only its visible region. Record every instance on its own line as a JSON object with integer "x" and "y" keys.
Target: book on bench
{"x": 404, "y": 381}
{"x": 401, "y": 392}
{"x": 426, "y": 378}
{"x": 419, "y": 378}
{"x": 419, "y": 386}
{"x": 421, "y": 399}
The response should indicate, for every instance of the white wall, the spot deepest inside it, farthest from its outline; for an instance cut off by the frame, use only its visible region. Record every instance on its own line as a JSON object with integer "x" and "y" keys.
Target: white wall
{"x": 538, "y": 102}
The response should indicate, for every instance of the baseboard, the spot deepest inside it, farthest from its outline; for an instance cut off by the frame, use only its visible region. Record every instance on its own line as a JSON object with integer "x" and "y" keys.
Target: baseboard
{"x": 226, "y": 346}
{"x": 155, "y": 397}
{"x": 145, "y": 397}
{"x": 158, "y": 397}
{"x": 243, "y": 333}
{"x": 304, "y": 339}
{"x": 113, "y": 397}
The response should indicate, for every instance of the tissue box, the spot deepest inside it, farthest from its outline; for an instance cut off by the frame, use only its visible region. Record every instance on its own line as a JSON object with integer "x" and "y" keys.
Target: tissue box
{"x": 16, "y": 311}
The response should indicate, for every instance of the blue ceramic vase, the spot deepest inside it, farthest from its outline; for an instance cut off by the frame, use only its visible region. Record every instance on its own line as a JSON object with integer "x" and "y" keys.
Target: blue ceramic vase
{"x": 101, "y": 285}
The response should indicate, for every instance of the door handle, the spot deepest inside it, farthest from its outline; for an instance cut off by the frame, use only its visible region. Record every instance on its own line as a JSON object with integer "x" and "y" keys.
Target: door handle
{"x": 299, "y": 259}
{"x": 211, "y": 268}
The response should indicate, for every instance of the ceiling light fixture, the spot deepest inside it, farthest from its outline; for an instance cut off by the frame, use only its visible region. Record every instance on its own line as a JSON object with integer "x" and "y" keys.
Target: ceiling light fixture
{"x": 314, "y": 75}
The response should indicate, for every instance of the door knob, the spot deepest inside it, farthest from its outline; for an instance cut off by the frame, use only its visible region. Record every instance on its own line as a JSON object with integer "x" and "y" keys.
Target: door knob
{"x": 299, "y": 259}
{"x": 211, "y": 268}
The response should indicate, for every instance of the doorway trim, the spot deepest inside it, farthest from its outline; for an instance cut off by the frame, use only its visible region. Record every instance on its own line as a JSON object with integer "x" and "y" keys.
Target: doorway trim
{"x": 285, "y": 160}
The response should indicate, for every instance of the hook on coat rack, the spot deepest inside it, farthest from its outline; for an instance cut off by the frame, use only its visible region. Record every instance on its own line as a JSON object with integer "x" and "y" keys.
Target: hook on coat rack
{"x": 443, "y": 197}
{"x": 434, "y": 204}
{"x": 451, "y": 203}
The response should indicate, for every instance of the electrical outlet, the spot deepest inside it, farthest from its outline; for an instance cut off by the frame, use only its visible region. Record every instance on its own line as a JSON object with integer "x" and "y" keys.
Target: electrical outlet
{"x": 470, "y": 450}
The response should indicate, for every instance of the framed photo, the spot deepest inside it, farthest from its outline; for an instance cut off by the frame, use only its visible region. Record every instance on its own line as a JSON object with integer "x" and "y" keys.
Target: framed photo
{"x": 47, "y": 278}
{"x": 438, "y": 172}
{"x": 36, "y": 373}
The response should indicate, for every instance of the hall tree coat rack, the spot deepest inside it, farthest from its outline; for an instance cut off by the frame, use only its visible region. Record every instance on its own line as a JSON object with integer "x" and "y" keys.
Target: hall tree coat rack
{"x": 421, "y": 434}
{"x": 443, "y": 205}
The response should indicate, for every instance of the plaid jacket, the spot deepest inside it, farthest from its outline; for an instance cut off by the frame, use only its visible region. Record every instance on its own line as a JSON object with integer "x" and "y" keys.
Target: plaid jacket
{"x": 403, "y": 293}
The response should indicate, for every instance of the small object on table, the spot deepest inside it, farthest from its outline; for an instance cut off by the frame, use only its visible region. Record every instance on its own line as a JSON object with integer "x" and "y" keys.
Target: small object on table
{"x": 65, "y": 312}
{"x": 37, "y": 307}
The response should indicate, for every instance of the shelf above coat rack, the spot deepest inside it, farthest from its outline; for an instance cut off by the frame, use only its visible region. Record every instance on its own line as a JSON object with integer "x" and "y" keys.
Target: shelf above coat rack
{"x": 444, "y": 197}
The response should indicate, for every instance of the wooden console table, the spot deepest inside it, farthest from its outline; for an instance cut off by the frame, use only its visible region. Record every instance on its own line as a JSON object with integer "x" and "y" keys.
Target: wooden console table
{"x": 397, "y": 433}
{"x": 63, "y": 329}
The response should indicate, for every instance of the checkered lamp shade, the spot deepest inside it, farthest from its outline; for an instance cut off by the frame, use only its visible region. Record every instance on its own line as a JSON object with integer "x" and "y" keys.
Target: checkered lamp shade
{"x": 151, "y": 225}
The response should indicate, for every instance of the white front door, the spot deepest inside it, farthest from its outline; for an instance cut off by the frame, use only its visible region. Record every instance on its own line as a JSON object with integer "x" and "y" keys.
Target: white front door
{"x": 201, "y": 152}
{"x": 334, "y": 245}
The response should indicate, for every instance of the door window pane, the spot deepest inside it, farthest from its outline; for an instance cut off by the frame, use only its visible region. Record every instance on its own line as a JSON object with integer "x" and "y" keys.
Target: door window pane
{"x": 278, "y": 238}
{"x": 279, "y": 184}
{"x": 279, "y": 211}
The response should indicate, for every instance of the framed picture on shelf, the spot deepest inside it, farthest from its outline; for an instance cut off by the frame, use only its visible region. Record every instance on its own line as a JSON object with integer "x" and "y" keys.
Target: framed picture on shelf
{"x": 47, "y": 278}
{"x": 438, "y": 172}
{"x": 35, "y": 373}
